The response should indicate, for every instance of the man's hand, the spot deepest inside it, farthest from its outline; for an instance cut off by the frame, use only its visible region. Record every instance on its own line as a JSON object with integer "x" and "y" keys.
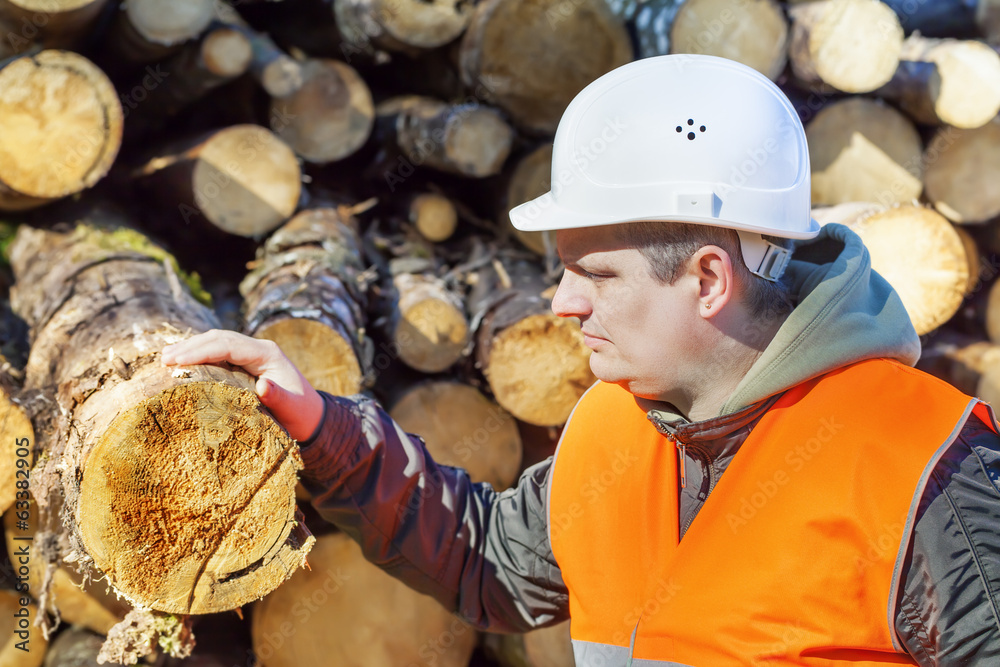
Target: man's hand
{"x": 280, "y": 385}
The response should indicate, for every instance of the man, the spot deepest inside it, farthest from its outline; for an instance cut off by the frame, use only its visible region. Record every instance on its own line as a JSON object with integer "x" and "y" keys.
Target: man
{"x": 758, "y": 477}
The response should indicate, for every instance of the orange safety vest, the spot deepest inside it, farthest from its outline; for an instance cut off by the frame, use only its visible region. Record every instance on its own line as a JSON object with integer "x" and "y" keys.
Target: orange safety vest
{"x": 795, "y": 557}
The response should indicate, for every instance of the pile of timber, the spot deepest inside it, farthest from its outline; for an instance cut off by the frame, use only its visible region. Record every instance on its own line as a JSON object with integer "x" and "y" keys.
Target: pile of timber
{"x": 335, "y": 176}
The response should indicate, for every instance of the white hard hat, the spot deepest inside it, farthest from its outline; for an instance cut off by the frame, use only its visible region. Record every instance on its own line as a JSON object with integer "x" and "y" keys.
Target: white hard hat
{"x": 684, "y": 138}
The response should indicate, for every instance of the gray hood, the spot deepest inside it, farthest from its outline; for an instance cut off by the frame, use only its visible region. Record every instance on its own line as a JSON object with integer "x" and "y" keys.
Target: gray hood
{"x": 844, "y": 312}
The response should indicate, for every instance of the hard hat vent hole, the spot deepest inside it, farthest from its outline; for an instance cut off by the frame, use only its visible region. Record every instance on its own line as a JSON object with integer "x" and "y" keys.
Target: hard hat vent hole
{"x": 679, "y": 128}
{"x": 690, "y": 135}
{"x": 690, "y": 121}
{"x": 702, "y": 128}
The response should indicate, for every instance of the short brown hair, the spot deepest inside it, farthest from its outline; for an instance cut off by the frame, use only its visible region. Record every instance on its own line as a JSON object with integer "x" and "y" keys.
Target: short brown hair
{"x": 668, "y": 246}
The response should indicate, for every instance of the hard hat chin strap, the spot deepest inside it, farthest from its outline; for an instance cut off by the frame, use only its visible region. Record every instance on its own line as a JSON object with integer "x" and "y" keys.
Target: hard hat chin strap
{"x": 762, "y": 257}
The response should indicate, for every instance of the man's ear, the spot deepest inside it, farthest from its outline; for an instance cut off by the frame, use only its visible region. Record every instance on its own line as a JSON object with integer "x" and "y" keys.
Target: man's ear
{"x": 713, "y": 267}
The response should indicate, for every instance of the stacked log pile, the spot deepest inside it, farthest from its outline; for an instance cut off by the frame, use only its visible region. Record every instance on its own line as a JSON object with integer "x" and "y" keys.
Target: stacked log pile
{"x": 338, "y": 173}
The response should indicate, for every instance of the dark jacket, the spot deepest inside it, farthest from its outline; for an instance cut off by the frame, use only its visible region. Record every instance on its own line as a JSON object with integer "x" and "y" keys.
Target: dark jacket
{"x": 486, "y": 555}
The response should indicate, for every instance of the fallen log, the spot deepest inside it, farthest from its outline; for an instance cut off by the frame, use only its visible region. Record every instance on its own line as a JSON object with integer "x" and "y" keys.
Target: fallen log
{"x": 53, "y": 24}
{"x": 948, "y": 18}
{"x": 962, "y": 167}
{"x": 433, "y": 215}
{"x": 864, "y": 150}
{"x": 379, "y": 621}
{"x": 329, "y": 116}
{"x": 931, "y": 277}
{"x": 946, "y": 81}
{"x": 753, "y": 32}
{"x": 469, "y": 139}
{"x": 531, "y": 58}
{"x": 68, "y": 122}
{"x": 531, "y": 178}
{"x": 14, "y": 650}
{"x": 64, "y": 593}
{"x": 535, "y": 362}
{"x": 16, "y": 434}
{"x": 847, "y": 45}
{"x": 221, "y": 55}
{"x": 462, "y": 428}
{"x": 176, "y": 484}
{"x": 241, "y": 179}
{"x": 150, "y": 30}
{"x": 279, "y": 74}
{"x": 426, "y": 323}
{"x": 306, "y": 294}
{"x": 408, "y": 26}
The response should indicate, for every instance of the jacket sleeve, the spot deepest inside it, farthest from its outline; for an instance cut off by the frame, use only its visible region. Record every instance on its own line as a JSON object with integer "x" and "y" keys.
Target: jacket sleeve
{"x": 482, "y": 554}
{"x": 949, "y": 610}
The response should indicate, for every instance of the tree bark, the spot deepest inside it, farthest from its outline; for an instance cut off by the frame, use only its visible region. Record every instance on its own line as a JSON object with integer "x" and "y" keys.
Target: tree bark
{"x": 175, "y": 484}
{"x": 530, "y": 58}
{"x": 753, "y": 32}
{"x": 931, "y": 276}
{"x": 847, "y": 45}
{"x": 306, "y": 294}
{"x": 863, "y": 150}
{"x": 242, "y": 179}
{"x": 68, "y": 122}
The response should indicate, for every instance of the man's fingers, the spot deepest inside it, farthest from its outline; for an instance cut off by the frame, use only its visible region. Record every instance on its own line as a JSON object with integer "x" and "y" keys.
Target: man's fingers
{"x": 217, "y": 345}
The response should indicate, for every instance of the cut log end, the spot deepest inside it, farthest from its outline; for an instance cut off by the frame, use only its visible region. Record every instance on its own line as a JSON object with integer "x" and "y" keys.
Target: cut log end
{"x": 329, "y": 117}
{"x": 281, "y": 77}
{"x": 431, "y": 334}
{"x": 962, "y": 168}
{"x": 63, "y": 126}
{"x": 423, "y": 24}
{"x": 532, "y": 58}
{"x": 434, "y": 216}
{"x": 863, "y": 150}
{"x": 380, "y": 622}
{"x": 171, "y": 23}
{"x": 480, "y": 144}
{"x": 932, "y": 277}
{"x": 226, "y": 52}
{"x": 463, "y": 428}
{"x": 851, "y": 45}
{"x": 539, "y": 368}
{"x": 259, "y": 176}
{"x": 324, "y": 357}
{"x": 187, "y": 502}
{"x": 755, "y": 33}
{"x": 531, "y": 178}
{"x": 967, "y": 91}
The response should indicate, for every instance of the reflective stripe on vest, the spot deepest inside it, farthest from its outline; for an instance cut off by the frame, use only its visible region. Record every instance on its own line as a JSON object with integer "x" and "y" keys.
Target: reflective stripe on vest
{"x": 794, "y": 558}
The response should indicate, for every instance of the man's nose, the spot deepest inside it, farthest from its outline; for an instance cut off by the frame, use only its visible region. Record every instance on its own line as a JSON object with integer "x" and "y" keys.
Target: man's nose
{"x": 569, "y": 300}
